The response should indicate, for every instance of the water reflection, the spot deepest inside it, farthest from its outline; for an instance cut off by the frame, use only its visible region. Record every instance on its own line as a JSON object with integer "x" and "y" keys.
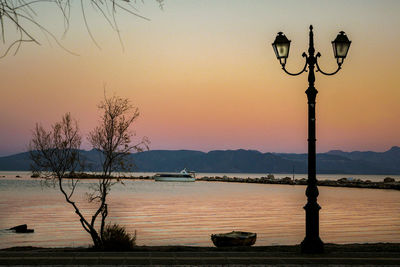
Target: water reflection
{"x": 188, "y": 213}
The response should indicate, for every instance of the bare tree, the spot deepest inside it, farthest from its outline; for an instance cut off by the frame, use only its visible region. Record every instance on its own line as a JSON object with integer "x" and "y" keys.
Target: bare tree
{"x": 21, "y": 15}
{"x": 113, "y": 139}
{"x": 55, "y": 153}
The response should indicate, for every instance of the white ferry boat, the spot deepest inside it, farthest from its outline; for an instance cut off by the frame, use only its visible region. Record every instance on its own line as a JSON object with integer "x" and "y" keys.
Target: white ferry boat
{"x": 183, "y": 176}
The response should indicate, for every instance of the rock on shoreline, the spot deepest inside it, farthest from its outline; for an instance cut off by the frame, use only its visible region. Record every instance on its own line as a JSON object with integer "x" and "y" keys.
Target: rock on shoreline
{"x": 23, "y": 228}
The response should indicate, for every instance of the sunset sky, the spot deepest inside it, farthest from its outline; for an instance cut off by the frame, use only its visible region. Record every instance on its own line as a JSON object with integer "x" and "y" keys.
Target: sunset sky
{"x": 205, "y": 77}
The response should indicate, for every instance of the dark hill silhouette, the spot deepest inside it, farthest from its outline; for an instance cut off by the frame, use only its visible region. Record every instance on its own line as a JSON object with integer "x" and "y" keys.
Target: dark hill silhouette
{"x": 245, "y": 161}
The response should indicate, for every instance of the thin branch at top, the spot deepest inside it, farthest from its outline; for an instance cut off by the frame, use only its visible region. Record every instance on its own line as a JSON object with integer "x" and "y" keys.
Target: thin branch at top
{"x": 22, "y": 15}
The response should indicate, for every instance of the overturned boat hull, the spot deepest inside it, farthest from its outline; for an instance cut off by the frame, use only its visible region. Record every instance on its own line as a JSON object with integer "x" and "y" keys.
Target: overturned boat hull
{"x": 234, "y": 239}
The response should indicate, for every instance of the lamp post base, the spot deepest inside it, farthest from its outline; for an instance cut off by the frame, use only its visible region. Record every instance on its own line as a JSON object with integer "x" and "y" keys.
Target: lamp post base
{"x": 312, "y": 246}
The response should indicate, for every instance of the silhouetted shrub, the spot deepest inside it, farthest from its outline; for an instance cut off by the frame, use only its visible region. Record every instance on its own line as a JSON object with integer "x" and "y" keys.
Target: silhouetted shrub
{"x": 116, "y": 238}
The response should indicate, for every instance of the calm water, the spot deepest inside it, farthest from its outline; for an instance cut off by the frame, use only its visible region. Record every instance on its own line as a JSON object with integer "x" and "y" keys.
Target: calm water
{"x": 187, "y": 213}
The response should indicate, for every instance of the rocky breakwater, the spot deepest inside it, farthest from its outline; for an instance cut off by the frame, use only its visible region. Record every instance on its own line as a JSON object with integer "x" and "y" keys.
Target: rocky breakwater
{"x": 84, "y": 175}
{"x": 387, "y": 183}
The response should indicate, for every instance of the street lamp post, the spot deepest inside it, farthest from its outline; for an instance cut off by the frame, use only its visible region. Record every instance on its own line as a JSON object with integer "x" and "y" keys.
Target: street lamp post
{"x": 312, "y": 243}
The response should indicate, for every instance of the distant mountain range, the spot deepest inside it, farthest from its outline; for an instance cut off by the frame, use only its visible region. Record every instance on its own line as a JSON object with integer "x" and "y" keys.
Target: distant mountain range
{"x": 241, "y": 161}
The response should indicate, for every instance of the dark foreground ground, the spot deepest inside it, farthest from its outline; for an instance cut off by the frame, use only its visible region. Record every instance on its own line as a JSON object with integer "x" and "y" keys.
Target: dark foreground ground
{"x": 350, "y": 254}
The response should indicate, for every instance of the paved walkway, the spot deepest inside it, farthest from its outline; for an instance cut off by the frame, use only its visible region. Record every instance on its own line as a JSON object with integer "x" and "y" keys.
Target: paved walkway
{"x": 10, "y": 258}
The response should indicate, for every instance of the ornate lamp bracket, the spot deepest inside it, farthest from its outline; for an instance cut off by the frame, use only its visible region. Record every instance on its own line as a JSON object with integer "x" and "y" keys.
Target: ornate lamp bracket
{"x": 298, "y": 73}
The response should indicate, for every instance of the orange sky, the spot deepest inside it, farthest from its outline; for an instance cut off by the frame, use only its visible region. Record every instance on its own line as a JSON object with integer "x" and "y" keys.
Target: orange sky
{"x": 204, "y": 76}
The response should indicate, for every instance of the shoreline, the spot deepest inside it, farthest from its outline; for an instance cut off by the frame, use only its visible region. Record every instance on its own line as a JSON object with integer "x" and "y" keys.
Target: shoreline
{"x": 329, "y": 248}
{"x": 388, "y": 183}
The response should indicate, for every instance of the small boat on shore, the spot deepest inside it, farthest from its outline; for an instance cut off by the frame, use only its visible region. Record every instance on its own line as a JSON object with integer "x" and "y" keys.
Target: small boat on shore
{"x": 183, "y": 176}
{"x": 234, "y": 239}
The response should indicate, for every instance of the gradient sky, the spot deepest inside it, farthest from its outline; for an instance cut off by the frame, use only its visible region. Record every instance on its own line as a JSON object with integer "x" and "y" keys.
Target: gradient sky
{"x": 205, "y": 77}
